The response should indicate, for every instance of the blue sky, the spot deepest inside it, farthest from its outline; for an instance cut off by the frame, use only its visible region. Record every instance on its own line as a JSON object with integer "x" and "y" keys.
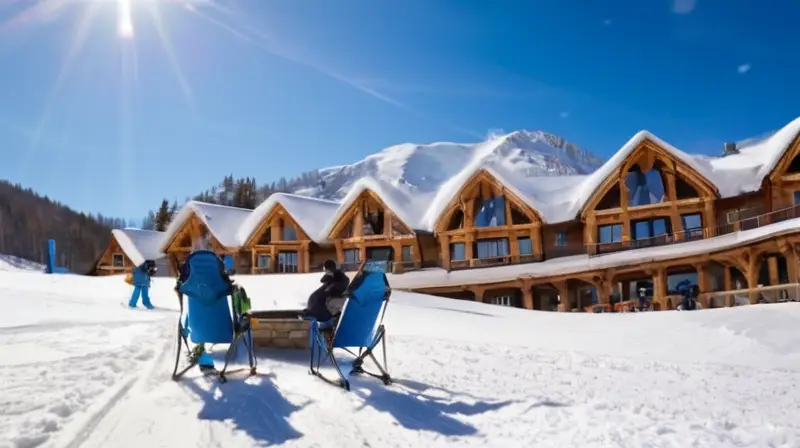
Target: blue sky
{"x": 274, "y": 88}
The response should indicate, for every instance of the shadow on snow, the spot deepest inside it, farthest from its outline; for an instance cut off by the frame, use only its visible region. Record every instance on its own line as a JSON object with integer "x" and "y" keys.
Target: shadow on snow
{"x": 406, "y": 401}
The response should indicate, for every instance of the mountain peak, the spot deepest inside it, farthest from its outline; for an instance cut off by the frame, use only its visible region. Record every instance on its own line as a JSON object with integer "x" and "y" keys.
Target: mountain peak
{"x": 425, "y": 167}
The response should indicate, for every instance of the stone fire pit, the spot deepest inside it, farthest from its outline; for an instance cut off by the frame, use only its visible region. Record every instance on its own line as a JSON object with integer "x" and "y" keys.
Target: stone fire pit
{"x": 280, "y": 329}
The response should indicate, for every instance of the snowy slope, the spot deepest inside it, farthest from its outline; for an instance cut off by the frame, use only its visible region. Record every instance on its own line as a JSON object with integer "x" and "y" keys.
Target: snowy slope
{"x": 10, "y": 263}
{"x": 425, "y": 167}
{"x": 79, "y": 370}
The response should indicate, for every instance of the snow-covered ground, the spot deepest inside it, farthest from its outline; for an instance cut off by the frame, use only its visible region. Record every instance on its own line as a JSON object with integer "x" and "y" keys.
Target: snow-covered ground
{"x": 77, "y": 369}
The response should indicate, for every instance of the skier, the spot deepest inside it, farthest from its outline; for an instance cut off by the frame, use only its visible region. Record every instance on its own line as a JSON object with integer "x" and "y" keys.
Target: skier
{"x": 643, "y": 305}
{"x": 141, "y": 284}
{"x": 321, "y": 303}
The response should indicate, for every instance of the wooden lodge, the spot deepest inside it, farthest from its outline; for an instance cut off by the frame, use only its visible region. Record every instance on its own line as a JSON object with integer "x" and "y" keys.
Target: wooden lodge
{"x": 648, "y": 221}
{"x": 366, "y": 228}
{"x": 283, "y": 234}
{"x": 127, "y": 249}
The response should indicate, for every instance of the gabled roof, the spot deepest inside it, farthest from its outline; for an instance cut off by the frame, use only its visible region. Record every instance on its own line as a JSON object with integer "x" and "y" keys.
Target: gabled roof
{"x": 222, "y": 221}
{"x": 408, "y": 205}
{"x": 139, "y": 245}
{"x": 311, "y": 214}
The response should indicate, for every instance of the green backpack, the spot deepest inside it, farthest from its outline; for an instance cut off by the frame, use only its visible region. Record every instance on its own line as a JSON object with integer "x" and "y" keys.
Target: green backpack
{"x": 241, "y": 303}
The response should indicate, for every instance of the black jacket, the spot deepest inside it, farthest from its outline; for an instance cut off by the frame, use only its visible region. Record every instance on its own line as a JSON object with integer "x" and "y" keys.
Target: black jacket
{"x": 335, "y": 283}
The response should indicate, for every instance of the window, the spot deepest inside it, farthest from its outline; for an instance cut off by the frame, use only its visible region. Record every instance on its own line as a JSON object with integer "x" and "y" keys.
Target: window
{"x": 692, "y": 225}
{"x": 263, "y": 261}
{"x": 797, "y": 197}
{"x": 650, "y": 228}
{"x": 352, "y": 256}
{"x": 525, "y": 246}
{"x": 503, "y": 300}
{"x": 492, "y": 248}
{"x": 266, "y": 237}
{"x": 561, "y": 239}
{"x": 287, "y": 261}
{"x": 611, "y": 233}
{"x": 407, "y": 254}
{"x": 458, "y": 252}
{"x": 118, "y": 260}
{"x": 289, "y": 233}
{"x": 491, "y": 212}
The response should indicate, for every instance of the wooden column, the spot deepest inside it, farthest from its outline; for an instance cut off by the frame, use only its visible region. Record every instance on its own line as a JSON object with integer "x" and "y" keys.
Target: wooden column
{"x": 469, "y": 238}
{"x": 752, "y": 271}
{"x": 727, "y": 285}
{"x": 590, "y": 234}
{"x": 358, "y": 220}
{"x": 306, "y": 256}
{"x": 772, "y": 264}
{"x": 563, "y": 295}
{"x": 478, "y": 291}
{"x": 444, "y": 245}
{"x": 703, "y": 284}
{"x": 513, "y": 247}
{"x": 674, "y": 216}
{"x": 660, "y": 287}
{"x": 536, "y": 240}
{"x": 709, "y": 218}
{"x": 623, "y": 203}
{"x": 527, "y": 294}
{"x": 339, "y": 250}
{"x": 362, "y": 252}
{"x": 387, "y": 223}
{"x": 273, "y": 259}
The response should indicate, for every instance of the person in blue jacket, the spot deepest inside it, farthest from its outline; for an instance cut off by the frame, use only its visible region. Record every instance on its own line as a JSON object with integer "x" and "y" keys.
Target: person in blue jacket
{"x": 141, "y": 284}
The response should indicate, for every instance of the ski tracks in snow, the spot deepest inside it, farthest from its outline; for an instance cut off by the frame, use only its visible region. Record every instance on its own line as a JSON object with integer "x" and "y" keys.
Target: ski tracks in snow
{"x": 59, "y": 377}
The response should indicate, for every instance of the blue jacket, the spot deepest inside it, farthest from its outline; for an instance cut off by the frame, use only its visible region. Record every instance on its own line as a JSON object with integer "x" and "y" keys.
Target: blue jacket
{"x": 140, "y": 276}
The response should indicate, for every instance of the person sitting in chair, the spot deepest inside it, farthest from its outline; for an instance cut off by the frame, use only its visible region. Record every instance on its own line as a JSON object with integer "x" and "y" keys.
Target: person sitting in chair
{"x": 322, "y": 304}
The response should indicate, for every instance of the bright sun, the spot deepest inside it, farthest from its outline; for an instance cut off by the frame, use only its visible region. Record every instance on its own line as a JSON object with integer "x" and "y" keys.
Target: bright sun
{"x": 124, "y": 22}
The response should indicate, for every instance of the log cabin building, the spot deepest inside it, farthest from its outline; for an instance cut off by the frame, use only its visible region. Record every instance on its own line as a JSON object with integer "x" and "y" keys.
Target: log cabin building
{"x": 650, "y": 219}
{"x": 284, "y": 234}
{"x": 372, "y": 225}
{"x": 129, "y": 248}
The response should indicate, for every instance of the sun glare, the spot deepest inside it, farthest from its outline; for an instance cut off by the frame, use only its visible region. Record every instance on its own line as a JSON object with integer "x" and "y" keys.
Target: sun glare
{"x": 125, "y": 22}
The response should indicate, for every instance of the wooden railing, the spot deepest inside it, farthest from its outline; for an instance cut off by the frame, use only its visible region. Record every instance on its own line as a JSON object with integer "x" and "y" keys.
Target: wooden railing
{"x": 698, "y": 233}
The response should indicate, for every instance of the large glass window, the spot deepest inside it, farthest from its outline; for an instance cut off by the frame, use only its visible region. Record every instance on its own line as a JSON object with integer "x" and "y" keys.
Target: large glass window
{"x": 289, "y": 233}
{"x": 491, "y": 212}
{"x": 644, "y": 188}
{"x": 287, "y": 261}
{"x": 458, "y": 252}
{"x": 525, "y": 246}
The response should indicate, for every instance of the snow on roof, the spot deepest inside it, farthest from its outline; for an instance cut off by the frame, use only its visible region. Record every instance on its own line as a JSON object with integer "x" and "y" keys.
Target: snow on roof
{"x": 139, "y": 245}
{"x": 222, "y": 221}
{"x": 407, "y": 204}
{"x": 555, "y": 198}
{"x": 743, "y": 172}
{"x": 594, "y": 180}
{"x": 436, "y": 277}
{"x": 311, "y": 214}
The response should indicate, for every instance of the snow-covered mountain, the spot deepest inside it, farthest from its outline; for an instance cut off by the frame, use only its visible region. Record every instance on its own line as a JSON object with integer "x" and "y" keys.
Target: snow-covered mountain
{"x": 425, "y": 167}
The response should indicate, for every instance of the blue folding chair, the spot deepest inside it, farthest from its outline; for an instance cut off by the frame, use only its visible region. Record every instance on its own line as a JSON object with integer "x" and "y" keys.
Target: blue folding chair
{"x": 359, "y": 327}
{"x": 208, "y": 318}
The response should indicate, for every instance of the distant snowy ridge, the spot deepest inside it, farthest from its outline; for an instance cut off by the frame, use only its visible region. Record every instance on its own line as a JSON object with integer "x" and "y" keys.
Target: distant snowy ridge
{"x": 10, "y": 263}
{"x": 425, "y": 167}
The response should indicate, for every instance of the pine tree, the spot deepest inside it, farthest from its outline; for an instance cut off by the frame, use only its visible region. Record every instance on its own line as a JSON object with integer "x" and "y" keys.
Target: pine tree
{"x": 162, "y": 216}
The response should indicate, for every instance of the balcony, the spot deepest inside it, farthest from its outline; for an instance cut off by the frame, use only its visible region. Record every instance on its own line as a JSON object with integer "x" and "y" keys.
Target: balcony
{"x": 685, "y": 236}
